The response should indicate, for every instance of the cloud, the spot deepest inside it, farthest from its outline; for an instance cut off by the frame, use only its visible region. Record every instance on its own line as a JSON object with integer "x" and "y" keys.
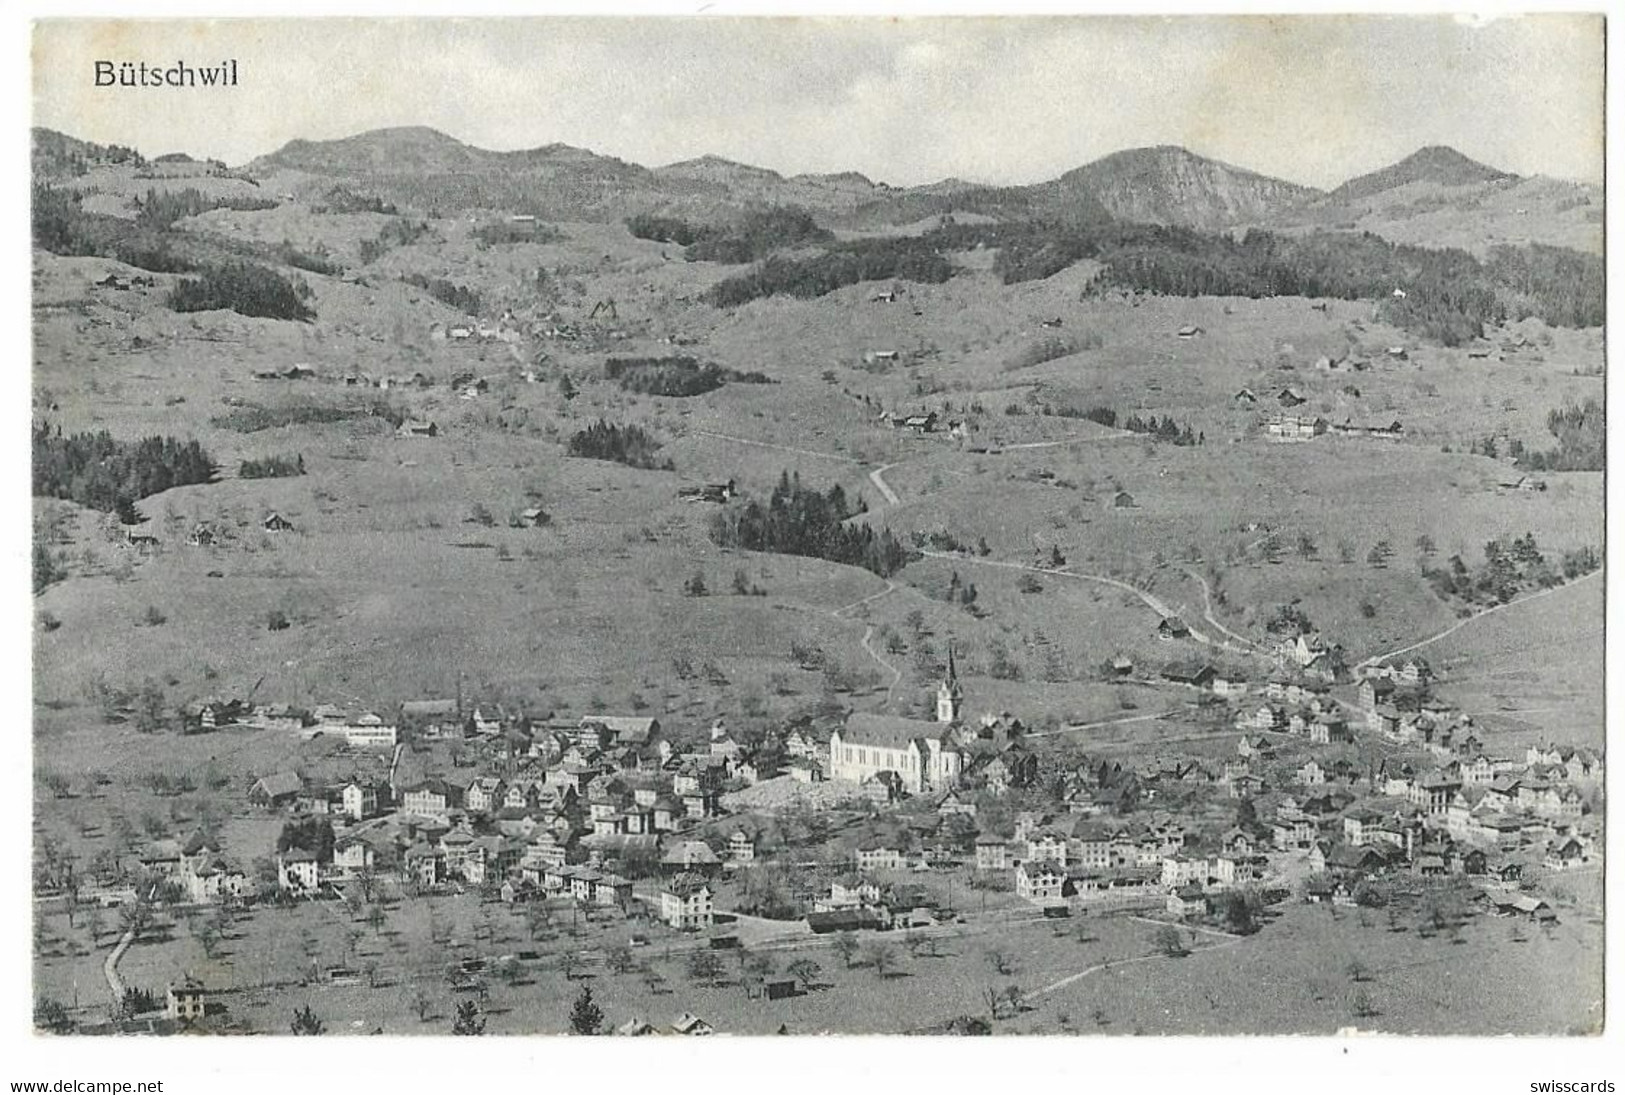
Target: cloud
{"x": 1005, "y": 100}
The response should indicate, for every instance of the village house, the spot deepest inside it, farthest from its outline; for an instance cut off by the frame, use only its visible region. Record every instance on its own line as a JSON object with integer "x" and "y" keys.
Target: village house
{"x": 685, "y": 902}
{"x": 1186, "y": 902}
{"x": 185, "y": 1001}
{"x": 992, "y": 853}
{"x": 297, "y": 871}
{"x": 432, "y": 797}
{"x": 691, "y": 857}
{"x": 275, "y": 790}
{"x": 1047, "y": 846}
{"x": 1040, "y": 882}
{"x": 878, "y": 855}
{"x": 360, "y": 799}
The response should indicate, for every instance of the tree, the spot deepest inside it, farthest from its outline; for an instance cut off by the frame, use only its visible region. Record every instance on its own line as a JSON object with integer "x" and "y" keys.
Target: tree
{"x": 1425, "y": 546}
{"x": 1361, "y": 1006}
{"x": 846, "y": 945}
{"x": 586, "y": 1017}
{"x": 52, "y": 1017}
{"x": 94, "y": 924}
{"x": 537, "y": 918}
{"x": 705, "y": 966}
{"x": 1002, "y": 961}
{"x": 469, "y": 1021}
{"x": 1170, "y": 941}
{"x": 135, "y": 918}
{"x": 882, "y": 956}
{"x": 695, "y": 586}
{"x": 1380, "y": 553}
{"x": 422, "y": 1005}
{"x": 305, "y": 1022}
{"x": 804, "y": 970}
{"x": 1358, "y": 971}
{"x": 619, "y": 959}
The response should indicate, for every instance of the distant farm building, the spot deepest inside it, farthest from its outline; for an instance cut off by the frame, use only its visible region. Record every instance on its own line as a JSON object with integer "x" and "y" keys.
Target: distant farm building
{"x": 873, "y": 357}
{"x": 1189, "y": 332}
{"x": 277, "y": 523}
{"x": 415, "y": 428}
{"x": 1245, "y": 396}
{"x": 710, "y": 492}
{"x": 1124, "y": 500}
{"x": 1172, "y": 627}
{"x": 1294, "y": 428}
{"x": 1288, "y": 397}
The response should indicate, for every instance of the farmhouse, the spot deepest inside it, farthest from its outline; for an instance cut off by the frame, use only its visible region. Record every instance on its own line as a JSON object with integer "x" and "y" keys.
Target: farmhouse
{"x": 278, "y": 789}
{"x": 1172, "y": 627}
{"x": 413, "y": 427}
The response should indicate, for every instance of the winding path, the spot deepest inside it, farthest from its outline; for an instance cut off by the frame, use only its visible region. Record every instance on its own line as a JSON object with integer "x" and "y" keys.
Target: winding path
{"x": 869, "y": 632}
{"x": 880, "y": 484}
{"x": 1230, "y": 941}
{"x": 1459, "y": 624}
{"x": 1207, "y": 611}
{"x": 115, "y": 983}
{"x": 1154, "y": 603}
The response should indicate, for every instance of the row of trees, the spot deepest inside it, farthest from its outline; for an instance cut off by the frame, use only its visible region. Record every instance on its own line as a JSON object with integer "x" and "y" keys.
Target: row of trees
{"x": 1164, "y": 430}
{"x": 446, "y": 292}
{"x": 755, "y": 235}
{"x": 1508, "y": 570}
{"x": 272, "y": 467}
{"x": 1449, "y": 294}
{"x": 889, "y": 259}
{"x": 254, "y": 417}
{"x": 629, "y": 445}
{"x": 804, "y": 521}
{"x": 96, "y": 470}
{"x": 675, "y": 376}
{"x": 160, "y": 209}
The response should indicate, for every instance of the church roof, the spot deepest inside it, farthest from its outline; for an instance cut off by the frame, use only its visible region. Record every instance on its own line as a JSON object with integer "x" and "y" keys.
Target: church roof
{"x": 891, "y": 731}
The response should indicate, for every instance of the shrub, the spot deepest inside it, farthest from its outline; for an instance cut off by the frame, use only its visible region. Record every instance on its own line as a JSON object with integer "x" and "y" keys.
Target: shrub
{"x": 272, "y": 467}
{"x": 1041, "y": 350}
{"x": 456, "y": 296}
{"x": 254, "y": 417}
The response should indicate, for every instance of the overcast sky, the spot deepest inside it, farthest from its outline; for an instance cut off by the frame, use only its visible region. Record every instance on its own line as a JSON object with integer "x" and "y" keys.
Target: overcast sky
{"x": 1311, "y": 99}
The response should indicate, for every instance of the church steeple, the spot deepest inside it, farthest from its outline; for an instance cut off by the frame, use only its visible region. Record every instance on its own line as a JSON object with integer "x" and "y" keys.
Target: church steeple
{"x": 949, "y": 695}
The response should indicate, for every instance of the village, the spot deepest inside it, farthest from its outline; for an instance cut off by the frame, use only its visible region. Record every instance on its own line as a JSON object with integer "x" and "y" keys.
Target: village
{"x": 1310, "y": 786}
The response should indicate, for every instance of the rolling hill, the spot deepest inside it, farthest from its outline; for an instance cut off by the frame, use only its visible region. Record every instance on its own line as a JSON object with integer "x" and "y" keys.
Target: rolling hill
{"x": 1171, "y": 185}
{"x": 1435, "y": 164}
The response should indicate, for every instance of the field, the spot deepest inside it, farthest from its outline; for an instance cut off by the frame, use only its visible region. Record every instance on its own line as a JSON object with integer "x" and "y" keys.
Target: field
{"x": 1051, "y": 543}
{"x": 1101, "y": 975}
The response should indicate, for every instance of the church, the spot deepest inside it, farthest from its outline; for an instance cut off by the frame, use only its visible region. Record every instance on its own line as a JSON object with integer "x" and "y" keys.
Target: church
{"x": 926, "y": 756}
